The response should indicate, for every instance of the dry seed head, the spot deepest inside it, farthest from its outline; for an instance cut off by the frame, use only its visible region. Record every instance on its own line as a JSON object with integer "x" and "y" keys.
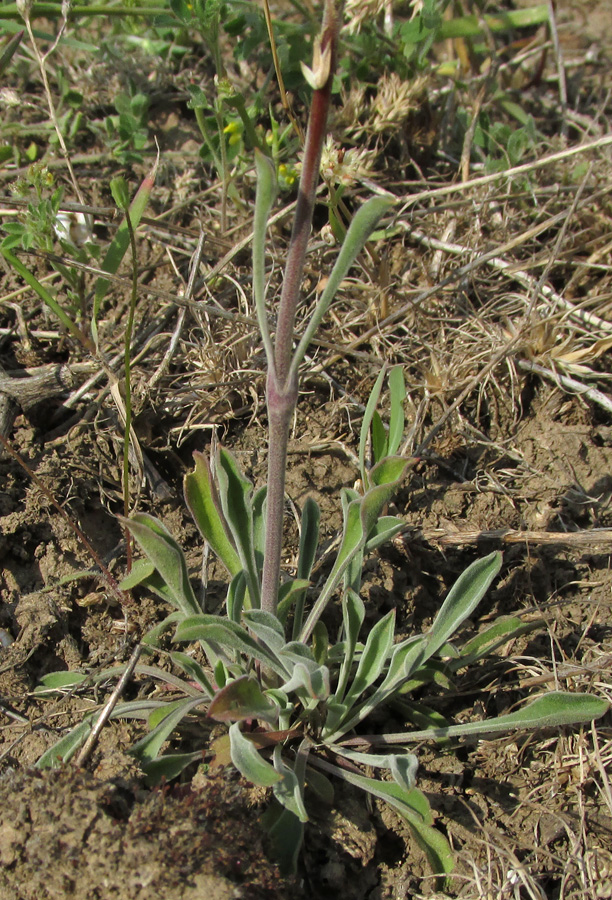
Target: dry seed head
{"x": 357, "y": 11}
{"x": 393, "y": 103}
{"x": 10, "y": 97}
{"x": 354, "y": 105}
{"x": 345, "y": 167}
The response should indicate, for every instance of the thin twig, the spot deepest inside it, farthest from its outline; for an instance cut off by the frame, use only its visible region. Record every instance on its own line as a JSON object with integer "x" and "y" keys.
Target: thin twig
{"x": 567, "y": 383}
{"x": 577, "y": 540}
{"x": 195, "y": 265}
{"x": 108, "y": 708}
{"x": 430, "y": 193}
{"x": 524, "y": 278}
{"x": 42, "y": 59}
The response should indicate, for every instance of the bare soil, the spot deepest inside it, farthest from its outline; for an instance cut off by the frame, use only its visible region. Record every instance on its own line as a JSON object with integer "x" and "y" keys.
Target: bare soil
{"x": 507, "y": 456}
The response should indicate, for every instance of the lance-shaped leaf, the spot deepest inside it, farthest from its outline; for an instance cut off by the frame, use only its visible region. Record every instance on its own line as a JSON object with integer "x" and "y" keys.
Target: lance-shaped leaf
{"x": 549, "y": 711}
{"x": 144, "y": 574}
{"x": 234, "y": 600}
{"x": 168, "y": 767}
{"x": 383, "y": 531}
{"x": 397, "y": 393}
{"x": 296, "y": 651}
{"x": 290, "y": 593}
{"x": 361, "y": 517}
{"x": 229, "y": 635}
{"x": 289, "y": 789}
{"x": 141, "y": 570}
{"x": 504, "y": 629}
{"x": 120, "y": 243}
{"x": 64, "y": 749}
{"x": 352, "y": 540}
{"x": 380, "y": 442}
{"x": 266, "y": 627}
{"x": 366, "y": 424}
{"x": 364, "y": 222}
{"x": 373, "y": 659}
{"x": 259, "y": 525}
{"x": 462, "y": 600}
{"x": 309, "y": 539}
{"x": 148, "y": 747}
{"x": 194, "y": 670}
{"x": 167, "y": 556}
{"x": 235, "y": 493}
{"x": 264, "y": 198}
{"x": 8, "y": 50}
{"x": 203, "y": 502}
{"x": 314, "y": 682}
{"x": 385, "y": 478}
{"x": 154, "y": 635}
{"x": 412, "y": 806}
{"x": 390, "y": 471}
{"x": 403, "y": 766}
{"x": 353, "y": 614}
{"x": 59, "y": 681}
{"x": 404, "y": 658}
{"x": 286, "y": 833}
{"x": 242, "y": 699}
{"x": 249, "y": 761}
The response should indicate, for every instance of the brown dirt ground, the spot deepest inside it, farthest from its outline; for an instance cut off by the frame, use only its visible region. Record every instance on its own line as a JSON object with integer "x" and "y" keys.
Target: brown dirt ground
{"x": 529, "y": 816}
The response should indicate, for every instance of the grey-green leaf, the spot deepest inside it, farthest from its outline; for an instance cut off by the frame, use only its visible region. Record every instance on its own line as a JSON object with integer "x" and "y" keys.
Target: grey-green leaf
{"x": 549, "y": 711}
{"x": 242, "y": 699}
{"x": 203, "y": 502}
{"x": 397, "y": 393}
{"x": 147, "y": 748}
{"x": 266, "y": 627}
{"x": 166, "y": 555}
{"x": 235, "y": 491}
{"x": 249, "y": 761}
{"x": 227, "y": 634}
{"x": 462, "y": 600}
{"x": 288, "y": 790}
{"x": 374, "y": 656}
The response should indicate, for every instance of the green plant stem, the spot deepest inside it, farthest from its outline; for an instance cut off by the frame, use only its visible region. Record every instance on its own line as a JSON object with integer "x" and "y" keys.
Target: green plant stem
{"x": 201, "y": 120}
{"x": 282, "y": 387}
{"x": 225, "y": 176}
{"x": 128, "y": 386}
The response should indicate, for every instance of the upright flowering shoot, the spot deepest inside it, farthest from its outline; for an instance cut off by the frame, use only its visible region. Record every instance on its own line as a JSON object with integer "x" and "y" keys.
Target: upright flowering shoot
{"x": 283, "y": 363}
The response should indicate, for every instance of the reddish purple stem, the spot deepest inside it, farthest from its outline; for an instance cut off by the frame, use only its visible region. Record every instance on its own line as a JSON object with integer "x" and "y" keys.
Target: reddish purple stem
{"x": 281, "y": 395}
